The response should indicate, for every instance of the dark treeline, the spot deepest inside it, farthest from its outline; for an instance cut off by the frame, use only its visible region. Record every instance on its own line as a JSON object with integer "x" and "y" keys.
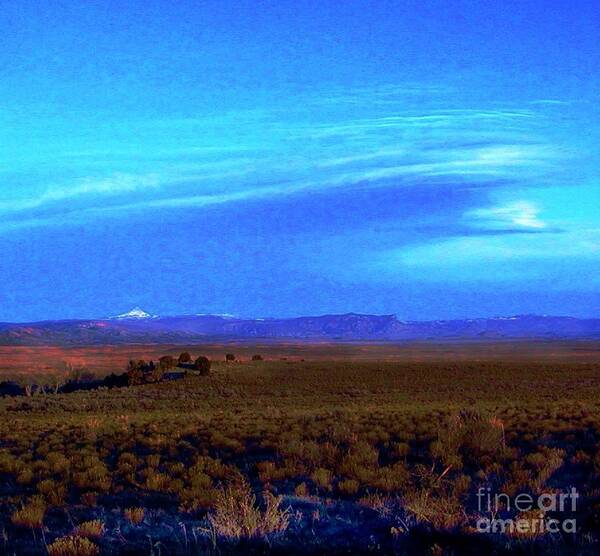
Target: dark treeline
{"x": 138, "y": 372}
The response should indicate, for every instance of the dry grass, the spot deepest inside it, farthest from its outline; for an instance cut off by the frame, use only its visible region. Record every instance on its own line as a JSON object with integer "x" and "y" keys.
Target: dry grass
{"x": 31, "y": 515}
{"x": 135, "y": 516}
{"x": 392, "y": 437}
{"x": 73, "y": 546}
{"x": 238, "y": 516}
{"x": 92, "y": 530}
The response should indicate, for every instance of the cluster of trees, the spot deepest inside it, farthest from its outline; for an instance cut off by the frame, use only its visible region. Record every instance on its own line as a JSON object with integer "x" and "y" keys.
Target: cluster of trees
{"x": 229, "y": 357}
{"x": 201, "y": 364}
{"x": 72, "y": 379}
{"x": 141, "y": 372}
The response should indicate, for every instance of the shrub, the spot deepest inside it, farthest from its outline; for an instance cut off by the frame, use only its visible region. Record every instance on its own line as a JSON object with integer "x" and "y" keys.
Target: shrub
{"x": 202, "y": 365}
{"x": 135, "y": 515}
{"x": 471, "y": 434}
{"x": 322, "y": 478}
{"x": 155, "y": 374}
{"x": 442, "y": 512}
{"x": 200, "y": 494}
{"x": 383, "y": 505}
{"x": 25, "y": 477}
{"x": 31, "y": 515}
{"x": 348, "y": 487}
{"x": 58, "y": 463}
{"x": 136, "y": 364}
{"x": 96, "y": 476}
{"x": 153, "y": 460}
{"x": 391, "y": 478}
{"x": 135, "y": 372}
{"x": 360, "y": 463}
{"x": 167, "y": 362}
{"x": 237, "y": 515}
{"x": 185, "y": 357}
{"x": 301, "y": 490}
{"x": 73, "y": 546}
{"x": 157, "y": 481}
{"x": 92, "y": 530}
{"x": 229, "y": 357}
{"x": 54, "y": 492}
{"x": 257, "y": 358}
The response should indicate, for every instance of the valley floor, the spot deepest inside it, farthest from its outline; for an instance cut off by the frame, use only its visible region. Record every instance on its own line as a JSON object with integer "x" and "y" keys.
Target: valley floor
{"x": 344, "y": 455}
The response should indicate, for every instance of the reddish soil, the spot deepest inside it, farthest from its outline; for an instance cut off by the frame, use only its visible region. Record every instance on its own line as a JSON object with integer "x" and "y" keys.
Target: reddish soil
{"x": 104, "y": 359}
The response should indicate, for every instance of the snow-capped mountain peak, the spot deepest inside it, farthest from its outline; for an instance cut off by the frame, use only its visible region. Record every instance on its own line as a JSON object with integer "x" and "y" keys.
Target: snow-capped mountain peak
{"x": 135, "y": 313}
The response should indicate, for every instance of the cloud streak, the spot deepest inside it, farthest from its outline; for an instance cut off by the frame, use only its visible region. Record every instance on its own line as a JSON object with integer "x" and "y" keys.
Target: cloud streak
{"x": 494, "y": 258}
{"x": 523, "y": 214}
{"x": 401, "y": 144}
{"x": 117, "y": 184}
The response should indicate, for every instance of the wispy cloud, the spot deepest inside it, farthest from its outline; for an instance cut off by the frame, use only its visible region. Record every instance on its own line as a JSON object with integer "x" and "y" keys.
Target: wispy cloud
{"x": 117, "y": 184}
{"x": 459, "y": 120}
{"x": 523, "y": 214}
{"x": 491, "y": 258}
{"x": 551, "y": 102}
{"x": 252, "y": 155}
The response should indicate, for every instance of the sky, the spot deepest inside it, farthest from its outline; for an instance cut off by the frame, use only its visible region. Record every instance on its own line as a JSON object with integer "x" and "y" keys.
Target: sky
{"x": 429, "y": 159}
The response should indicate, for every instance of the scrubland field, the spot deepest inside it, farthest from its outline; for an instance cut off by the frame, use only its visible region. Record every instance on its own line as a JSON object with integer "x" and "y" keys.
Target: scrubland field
{"x": 372, "y": 450}
{"x": 36, "y": 360}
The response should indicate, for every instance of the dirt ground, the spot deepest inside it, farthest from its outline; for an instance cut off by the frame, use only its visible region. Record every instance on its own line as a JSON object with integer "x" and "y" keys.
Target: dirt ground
{"x": 18, "y": 360}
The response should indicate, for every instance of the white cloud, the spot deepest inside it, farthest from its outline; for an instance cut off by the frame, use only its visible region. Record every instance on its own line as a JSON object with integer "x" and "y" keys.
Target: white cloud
{"x": 113, "y": 185}
{"x": 551, "y": 101}
{"x": 116, "y": 184}
{"x": 492, "y": 258}
{"x": 362, "y": 157}
{"x": 401, "y": 145}
{"x": 521, "y": 214}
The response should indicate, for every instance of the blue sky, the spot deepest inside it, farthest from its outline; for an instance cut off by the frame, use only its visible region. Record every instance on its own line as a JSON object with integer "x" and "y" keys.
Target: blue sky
{"x": 429, "y": 159}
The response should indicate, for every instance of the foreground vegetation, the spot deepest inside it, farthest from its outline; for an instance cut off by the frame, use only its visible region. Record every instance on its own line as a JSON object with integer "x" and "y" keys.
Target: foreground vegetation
{"x": 283, "y": 457}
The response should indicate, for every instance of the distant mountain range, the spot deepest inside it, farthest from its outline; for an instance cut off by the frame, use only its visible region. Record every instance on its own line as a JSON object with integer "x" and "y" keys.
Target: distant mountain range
{"x": 138, "y": 326}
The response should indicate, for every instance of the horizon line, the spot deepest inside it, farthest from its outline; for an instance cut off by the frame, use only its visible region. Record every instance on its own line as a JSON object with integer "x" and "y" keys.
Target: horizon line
{"x": 300, "y": 316}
